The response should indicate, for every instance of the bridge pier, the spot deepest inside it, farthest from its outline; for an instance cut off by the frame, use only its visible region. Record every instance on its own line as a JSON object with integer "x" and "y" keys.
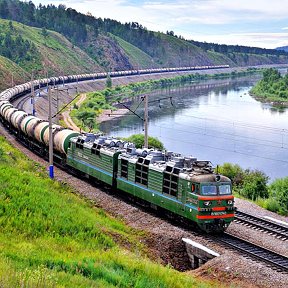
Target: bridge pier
{"x": 197, "y": 253}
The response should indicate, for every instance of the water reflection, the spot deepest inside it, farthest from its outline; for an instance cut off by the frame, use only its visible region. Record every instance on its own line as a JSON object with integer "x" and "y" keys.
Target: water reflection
{"x": 216, "y": 120}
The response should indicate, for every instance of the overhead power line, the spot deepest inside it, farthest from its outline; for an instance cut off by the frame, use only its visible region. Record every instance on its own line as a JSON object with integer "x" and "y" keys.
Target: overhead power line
{"x": 226, "y": 150}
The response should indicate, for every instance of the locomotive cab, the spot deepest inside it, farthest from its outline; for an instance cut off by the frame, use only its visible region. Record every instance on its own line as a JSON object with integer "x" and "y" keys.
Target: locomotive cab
{"x": 213, "y": 201}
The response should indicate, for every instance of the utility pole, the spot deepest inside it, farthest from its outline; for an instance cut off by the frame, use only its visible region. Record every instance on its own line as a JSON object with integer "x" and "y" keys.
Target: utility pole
{"x": 57, "y": 103}
{"x": 51, "y": 167}
{"x": 63, "y": 78}
{"x": 50, "y": 117}
{"x": 47, "y": 80}
{"x": 146, "y": 122}
{"x": 32, "y": 94}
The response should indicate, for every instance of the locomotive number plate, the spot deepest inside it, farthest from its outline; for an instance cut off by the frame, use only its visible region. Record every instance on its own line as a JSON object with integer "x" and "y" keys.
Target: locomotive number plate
{"x": 218, "y": 213}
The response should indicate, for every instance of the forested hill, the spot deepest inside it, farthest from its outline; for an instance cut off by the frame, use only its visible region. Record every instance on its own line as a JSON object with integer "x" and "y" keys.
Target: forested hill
{"x": 107, "y": 44}
{"x": 25, "y": 48}
{"x": 283, "y": 48}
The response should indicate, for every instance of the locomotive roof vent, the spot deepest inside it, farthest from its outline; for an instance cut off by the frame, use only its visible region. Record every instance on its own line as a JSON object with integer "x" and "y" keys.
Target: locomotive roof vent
{"x": 90, "y": 137}
{"x": 142, "y": 152}
{"x": 156, "y": 156}
{"x": 188, "y": 161}
{"x": 156, "y": 153}
{"x": 129, "y": 145}
{"x": 169, "y": 154}
{"x": 101, "y": 139}
{"x": 179, "y": 161}
{"x": 202, "y": 167}
{"x": 112, "y": 142}
{"x": 131, "y": 150}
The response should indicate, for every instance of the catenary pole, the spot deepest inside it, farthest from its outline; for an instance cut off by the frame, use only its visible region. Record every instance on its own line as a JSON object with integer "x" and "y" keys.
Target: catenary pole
{"x": 51, "y": 167}
{"x": 32, "y": 93}
{"x": 146, "y": 123}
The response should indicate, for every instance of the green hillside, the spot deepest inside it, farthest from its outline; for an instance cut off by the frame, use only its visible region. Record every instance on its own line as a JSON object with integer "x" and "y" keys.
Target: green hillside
{"x": 175, "y": 52}
{"x": 44, "y": 243}
{"x": 34, "y": 49}
{"x": 110, "y": 44}
{"x": 137, "y": 57}
{"x": 10, "y": 73}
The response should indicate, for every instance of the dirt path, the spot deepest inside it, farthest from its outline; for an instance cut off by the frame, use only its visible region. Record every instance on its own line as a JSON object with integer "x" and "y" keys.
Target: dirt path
{"x": 109, "y": 114}
{"x": 69, "y": 123}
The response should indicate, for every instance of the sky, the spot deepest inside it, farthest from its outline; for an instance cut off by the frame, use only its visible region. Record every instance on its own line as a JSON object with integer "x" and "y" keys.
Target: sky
{"x": 258, "y": 23}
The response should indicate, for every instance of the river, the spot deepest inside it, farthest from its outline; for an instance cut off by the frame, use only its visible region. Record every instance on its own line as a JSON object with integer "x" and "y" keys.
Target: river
{"x": 215, "y": 120}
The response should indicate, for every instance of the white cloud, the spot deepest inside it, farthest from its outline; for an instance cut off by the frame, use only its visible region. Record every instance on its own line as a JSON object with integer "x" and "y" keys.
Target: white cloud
{"x": 263, "y": 40}
{"x": 226, "y": 10}
{"x": 179, "y": 14}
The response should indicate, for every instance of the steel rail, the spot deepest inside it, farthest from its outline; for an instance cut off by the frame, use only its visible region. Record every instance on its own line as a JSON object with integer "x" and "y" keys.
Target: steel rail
{"x": 280, "y": 231}
{"x": 273, "y": 259}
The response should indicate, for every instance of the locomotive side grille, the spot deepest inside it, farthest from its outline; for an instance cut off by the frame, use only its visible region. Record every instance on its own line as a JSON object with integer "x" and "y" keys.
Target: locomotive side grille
{"x": 141, "y": 173}
{"x": 170, "y": 181}
{"x": 124, "y": 168}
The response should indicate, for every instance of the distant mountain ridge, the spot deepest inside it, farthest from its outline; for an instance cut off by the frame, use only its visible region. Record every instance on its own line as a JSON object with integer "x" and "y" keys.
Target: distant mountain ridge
{"x": 66, "y": 41}
{"x": 283, "y": 48}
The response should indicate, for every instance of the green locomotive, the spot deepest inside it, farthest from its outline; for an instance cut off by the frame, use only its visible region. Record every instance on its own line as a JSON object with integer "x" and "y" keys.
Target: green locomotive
{"x": 181, "y": 185}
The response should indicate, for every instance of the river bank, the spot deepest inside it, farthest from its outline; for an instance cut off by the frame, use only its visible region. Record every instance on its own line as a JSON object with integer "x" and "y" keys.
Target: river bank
{"x": 272, "y": 88}
{"x": 95, "y": 102}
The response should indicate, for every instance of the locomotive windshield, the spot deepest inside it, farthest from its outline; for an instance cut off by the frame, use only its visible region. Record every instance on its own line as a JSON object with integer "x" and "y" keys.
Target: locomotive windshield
{"x": 212, "y": 190}
{"x": 209, "y": 190}
{"x": 224, "y": 190}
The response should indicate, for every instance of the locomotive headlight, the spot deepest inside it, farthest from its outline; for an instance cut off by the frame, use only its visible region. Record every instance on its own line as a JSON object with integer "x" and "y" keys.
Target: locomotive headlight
{"x": 217, "y": 178}
{"x": 230, "y": 202}
{"x": 207, "y": 203}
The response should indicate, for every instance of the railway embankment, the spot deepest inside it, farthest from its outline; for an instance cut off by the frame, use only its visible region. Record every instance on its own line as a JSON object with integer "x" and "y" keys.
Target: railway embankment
{"x": 163, "y": 238}
{"x": 50, "y": 235}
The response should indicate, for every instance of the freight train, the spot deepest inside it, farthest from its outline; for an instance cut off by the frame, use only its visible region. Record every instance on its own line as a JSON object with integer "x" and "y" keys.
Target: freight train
{"x": 184, "y": 186}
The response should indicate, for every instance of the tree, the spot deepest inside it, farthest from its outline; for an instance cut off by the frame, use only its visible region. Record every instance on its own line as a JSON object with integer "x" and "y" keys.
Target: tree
{"x": 254, "y": 185}
{"x": 4, "y": 11}
{"x": 232, "y": 171}
{"x": 138, "y": 140}
{"x": 271, "y": 75}
{"x": 108, "y": 81}
{"x": 11, "y": 27}
{"x": 44, "y": 32}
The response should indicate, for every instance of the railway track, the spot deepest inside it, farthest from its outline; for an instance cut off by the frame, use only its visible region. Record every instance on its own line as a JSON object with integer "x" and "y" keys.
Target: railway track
{"x": 281, "y": 232}
{"x": 274, "y": 260}
{"x": 277, "y": 261}
{"x": 19, "y": 103}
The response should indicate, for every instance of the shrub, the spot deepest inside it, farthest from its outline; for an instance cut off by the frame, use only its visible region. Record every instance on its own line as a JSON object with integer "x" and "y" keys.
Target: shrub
{"x": 279, "y": 191}
{"x": 272, "y": 204}
{"x": 1, "y": 154}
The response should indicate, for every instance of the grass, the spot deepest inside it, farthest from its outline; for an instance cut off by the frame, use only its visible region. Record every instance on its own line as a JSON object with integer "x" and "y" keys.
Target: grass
{"x": 136, "y": 56}
{"x": 9, "y": 69}
{"x": 49, "y": 237}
